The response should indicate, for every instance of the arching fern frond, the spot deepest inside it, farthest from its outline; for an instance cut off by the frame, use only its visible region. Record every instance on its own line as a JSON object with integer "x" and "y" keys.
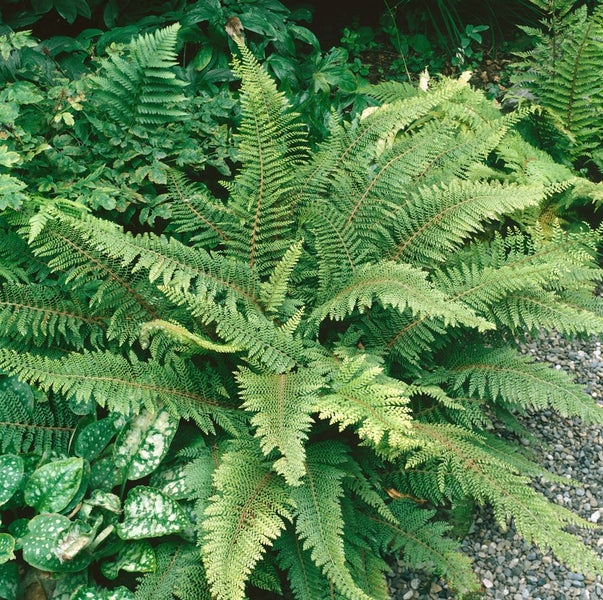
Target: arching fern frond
{"x": 503, "y": 375}
{"x": 398, "y": 286}
{"x": 423, "y": 543}
{"x": 125, "y": 386}
{"x": 469, "y": 468}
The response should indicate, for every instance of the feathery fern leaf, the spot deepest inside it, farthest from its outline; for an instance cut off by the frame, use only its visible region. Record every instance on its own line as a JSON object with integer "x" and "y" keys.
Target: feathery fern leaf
{"x": 282, "y": 405}
{"x": 318, "y": 518}
{"x": 422, "y": 543}
{"x": 503, "y": 375}
{"x": 124, "y": 385}
{"x": 247, "y": 512}
{"x": 142, "y": 89}
{"x": 178, "y": 574}
{"x": 39, "y": 314}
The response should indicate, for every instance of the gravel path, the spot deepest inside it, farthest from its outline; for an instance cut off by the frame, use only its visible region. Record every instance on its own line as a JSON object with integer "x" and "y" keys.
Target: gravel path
{"x": 506, "y": 565}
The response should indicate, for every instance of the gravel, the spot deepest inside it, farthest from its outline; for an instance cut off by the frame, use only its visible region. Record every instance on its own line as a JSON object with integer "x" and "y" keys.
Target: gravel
{"x": 507, "y": 566}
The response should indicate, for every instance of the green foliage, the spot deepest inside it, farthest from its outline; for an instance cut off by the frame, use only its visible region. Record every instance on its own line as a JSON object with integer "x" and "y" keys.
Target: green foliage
{"x": 266, "y": 392}
{"x": 557, "y": 74}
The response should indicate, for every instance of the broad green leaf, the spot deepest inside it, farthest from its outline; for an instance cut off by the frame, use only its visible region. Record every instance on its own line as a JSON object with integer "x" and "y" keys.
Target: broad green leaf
{"x": 93, "y": 438}
{"x": 9, "y": 580}
{"x": 7, "y": 545}
{"x": 150, "y": 513}
{"x": 53, "y": 485}
{"x": 11, "y": 475}
{"x": 40, "y": 545}
{"x": 144, "y": 442}
{"x": 137, "y": 557}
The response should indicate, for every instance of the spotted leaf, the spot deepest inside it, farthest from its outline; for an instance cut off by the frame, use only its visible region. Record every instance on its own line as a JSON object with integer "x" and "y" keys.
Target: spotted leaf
{"x": 9, "y": 580}
{"x": 11, "y": 475}
{"x": 93, "y": 438}
{"x": 54, "y": 485}
{"x": 41, "y": 545}
{"x": 142, "y": 444}
{"x": 137, "y": 557}
{"x": 94, "y": 593}
{"x": 150, "y": 513}
{"x": 7, "y": 545}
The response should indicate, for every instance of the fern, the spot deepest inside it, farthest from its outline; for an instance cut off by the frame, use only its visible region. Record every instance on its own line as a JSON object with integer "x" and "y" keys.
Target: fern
{"x": 178, "y": 574}
{"x": 334, "y": 324}
{"x": 247, "y": 512}
{"x": 29, "y": 422}
{"x": 558, "y": 72}
{"x": 142, "y": 89}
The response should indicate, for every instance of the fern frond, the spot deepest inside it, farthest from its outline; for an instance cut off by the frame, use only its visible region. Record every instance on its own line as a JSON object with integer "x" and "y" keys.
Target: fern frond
{"x": 436, "y": 220}
{"x": 271, "y": 145}
{"x": 172, "y": 262}
{"x": 142, "y": 89}
{"x": 467, "y": 468}
{"x": 503, "y": 375}
{"x": 203, "y": 221}
{"x": 125, "y": 386}
{"x": 275, "y": 289}
{"x": 31, "y": 423}
{"x": 41, "y": 315}
{"x": 423, "y": 543}
{"x": 318, "y": 516}
{"x": 399, "y": 286}
{"x": 361, "y": 395}
{"x": 113, "y": 290}
{"x": 247, "y": 512}
{"x": 282, "y": 405}
{"x": 179, "y": 574}
{"x": 262, "y": 341}
{"x": 305, "y": 578}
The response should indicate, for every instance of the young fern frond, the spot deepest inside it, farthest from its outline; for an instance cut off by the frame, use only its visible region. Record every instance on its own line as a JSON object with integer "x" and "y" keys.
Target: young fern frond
{"x": 282, "y": 406}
